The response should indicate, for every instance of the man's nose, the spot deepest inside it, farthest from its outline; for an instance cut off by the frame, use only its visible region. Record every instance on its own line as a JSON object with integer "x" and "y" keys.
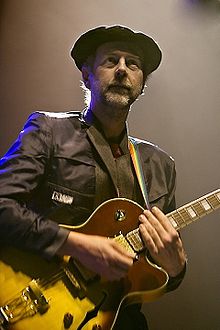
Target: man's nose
{"x": 121, "y": 69}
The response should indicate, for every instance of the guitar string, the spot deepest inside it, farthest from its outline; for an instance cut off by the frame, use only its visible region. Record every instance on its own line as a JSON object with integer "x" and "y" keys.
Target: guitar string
{"x": 134, "y": 239}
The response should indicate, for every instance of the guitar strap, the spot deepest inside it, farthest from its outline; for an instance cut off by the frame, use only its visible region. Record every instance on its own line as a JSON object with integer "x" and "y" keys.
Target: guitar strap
{"x": 136, "y": 159}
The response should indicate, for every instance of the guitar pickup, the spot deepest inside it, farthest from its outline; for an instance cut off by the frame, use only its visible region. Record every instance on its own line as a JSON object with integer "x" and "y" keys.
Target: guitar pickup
{"x": 87, "y": 275}
{"x": 79, "y": 277}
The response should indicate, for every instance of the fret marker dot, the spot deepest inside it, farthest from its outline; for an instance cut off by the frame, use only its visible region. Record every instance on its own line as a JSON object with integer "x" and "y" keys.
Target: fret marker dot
{"x": 173, "y": 222}
{"x": 191, "y": 212}
{"x": 205, "y": 205}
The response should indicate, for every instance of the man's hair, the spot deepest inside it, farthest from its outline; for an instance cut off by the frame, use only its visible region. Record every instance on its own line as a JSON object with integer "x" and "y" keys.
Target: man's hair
{"x": 89, "y": 63}
{"x": 87, "y": 94}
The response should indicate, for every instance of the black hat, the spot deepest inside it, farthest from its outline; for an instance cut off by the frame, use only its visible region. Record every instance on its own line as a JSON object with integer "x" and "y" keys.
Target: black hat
{"x": 88, "y": 43}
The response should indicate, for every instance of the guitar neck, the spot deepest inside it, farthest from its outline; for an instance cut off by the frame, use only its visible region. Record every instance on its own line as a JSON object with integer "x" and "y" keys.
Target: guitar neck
{"x": 182, "y": 217}
{"x": 195, "y": 210}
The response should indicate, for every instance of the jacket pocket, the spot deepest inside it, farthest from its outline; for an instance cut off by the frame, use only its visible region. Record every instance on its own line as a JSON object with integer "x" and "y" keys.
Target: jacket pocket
{"x": 69, "y": 206}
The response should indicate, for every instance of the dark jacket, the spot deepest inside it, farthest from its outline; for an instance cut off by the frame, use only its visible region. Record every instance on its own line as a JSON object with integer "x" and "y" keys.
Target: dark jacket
{"x": 49, "y": 176}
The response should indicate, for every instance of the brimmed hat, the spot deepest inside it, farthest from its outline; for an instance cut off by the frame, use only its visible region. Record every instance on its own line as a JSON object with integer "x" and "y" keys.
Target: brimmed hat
{"x": 88, "y": 43}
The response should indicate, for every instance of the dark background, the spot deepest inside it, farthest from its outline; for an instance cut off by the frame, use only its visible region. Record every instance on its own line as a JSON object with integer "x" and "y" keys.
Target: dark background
{"x": 179, "y": 112}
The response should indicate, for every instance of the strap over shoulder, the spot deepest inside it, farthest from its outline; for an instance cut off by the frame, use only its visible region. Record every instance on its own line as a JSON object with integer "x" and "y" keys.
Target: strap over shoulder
{"x": 136, "y": 159}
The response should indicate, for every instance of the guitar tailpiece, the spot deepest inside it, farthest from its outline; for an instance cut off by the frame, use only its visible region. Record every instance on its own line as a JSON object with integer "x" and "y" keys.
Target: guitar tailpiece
{"x": 27, "y": 303}
{"x": 3, "y": 320}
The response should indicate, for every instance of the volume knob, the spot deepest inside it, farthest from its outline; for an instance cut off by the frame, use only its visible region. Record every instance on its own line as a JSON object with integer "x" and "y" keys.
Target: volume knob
{"x": 67, "y": 320}
{"x": 96, "y": 327}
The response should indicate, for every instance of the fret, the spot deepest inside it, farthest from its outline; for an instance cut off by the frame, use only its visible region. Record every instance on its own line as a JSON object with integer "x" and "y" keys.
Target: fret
{"x": 181, "y": 219}
{"x": 199, "y": 209}
{"x": 138, "y": 241}
{"x": 178, "y": 218}
{"x": 192, "y": 212}
{"x": 173, "y": 222}
{"x": 131, "y": 239}
{"x": 135, "y": 240}
{"x": 214, "y": 201}
{"x": 185, "y": 215}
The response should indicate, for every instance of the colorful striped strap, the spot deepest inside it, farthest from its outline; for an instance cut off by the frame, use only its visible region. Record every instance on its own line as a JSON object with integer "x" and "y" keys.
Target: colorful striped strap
{"x": 135, "y": 156}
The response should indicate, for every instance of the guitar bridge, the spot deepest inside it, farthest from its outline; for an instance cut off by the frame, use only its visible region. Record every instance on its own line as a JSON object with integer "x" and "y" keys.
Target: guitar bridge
{"x": 27, "y": 303}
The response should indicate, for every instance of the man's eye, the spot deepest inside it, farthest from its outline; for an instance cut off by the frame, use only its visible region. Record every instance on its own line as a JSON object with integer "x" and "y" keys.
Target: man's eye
{"x": 133, "y": 64}
{"x": 111, "y": 60}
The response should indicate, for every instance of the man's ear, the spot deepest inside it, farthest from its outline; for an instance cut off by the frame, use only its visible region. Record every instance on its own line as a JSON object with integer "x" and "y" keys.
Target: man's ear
{"x": 86, "y": 76}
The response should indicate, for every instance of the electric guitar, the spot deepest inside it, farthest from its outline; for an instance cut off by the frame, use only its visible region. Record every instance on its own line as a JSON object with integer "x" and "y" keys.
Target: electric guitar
{"x": 62, "y": 294}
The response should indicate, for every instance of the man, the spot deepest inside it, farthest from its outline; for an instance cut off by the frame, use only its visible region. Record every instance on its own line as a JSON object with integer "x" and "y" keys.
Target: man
{"x": 63, "y": 166}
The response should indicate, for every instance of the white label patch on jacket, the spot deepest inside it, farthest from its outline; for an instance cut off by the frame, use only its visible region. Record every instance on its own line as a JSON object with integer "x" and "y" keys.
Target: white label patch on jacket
{"x": 62, "y": 198}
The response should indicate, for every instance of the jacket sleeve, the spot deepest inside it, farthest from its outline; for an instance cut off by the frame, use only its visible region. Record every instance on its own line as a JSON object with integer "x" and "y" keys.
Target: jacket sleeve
{"x": 173, "y": 282}
{"x": 22, "y": 169}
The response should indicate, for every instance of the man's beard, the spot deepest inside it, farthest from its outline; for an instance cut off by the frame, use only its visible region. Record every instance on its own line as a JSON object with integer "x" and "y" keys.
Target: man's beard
{"x": 118, "y": 96}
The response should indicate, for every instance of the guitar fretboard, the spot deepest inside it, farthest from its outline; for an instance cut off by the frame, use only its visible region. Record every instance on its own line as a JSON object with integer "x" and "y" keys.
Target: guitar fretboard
{"x": 195, "y": 210}
{"x": 183, "y": 216}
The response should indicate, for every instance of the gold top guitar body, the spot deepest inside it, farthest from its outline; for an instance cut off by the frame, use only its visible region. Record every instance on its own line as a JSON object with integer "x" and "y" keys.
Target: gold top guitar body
{"x": 62, "y": 294}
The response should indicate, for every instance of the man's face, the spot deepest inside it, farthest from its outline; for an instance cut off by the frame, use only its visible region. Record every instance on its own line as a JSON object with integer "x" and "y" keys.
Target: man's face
{"x": 116, "y": 78}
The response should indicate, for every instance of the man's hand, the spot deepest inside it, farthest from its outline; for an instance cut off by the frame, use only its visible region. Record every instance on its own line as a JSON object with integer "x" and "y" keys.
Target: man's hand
{"x": 102, "y": 255}
{"x": 162, "y": 241}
